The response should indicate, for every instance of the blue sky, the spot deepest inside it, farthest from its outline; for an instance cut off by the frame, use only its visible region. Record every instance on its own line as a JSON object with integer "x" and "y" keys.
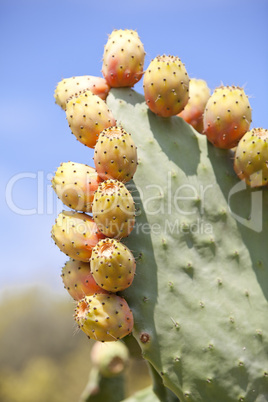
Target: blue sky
{"x": 45, "y": 41}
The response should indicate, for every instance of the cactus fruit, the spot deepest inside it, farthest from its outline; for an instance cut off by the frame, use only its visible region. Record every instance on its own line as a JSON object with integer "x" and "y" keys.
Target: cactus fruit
{"x": 75, "y": 184}
{"x": 123, "y": 58}
{"x": 115, "y": 155}
{"x": 87, "y": 116}
{"x": 76, "y": 233}
{"x": 251, "y": 158}
{"x": 199, "y": 94}
{"x": 78, "y": 279}
{"x": 166, "y": 86}
{"x": 110, "y": 358}
{"x": 227, "y": 116}
{"x": 113, "y": 209}
{"x": 73, "y": 86}
{"x": 112, "y": 265}
{"x": 104, "y": 317}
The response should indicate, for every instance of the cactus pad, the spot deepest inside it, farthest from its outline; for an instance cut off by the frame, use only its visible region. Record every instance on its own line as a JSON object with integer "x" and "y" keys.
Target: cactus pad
{"x": 201, "y": 287}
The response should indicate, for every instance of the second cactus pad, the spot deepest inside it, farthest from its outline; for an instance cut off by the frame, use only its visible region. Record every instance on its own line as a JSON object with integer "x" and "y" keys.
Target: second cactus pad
{"x": 201, "y": 286}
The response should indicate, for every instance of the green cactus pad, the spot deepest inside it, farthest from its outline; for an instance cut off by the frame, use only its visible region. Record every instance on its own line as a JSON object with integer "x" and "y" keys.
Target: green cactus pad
{"x": 200, "y": 293}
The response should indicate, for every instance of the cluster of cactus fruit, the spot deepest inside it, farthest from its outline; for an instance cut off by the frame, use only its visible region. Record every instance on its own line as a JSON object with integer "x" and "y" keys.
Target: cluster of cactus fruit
{"x": 100, "y": 264}
{"x": 95, "y": 232}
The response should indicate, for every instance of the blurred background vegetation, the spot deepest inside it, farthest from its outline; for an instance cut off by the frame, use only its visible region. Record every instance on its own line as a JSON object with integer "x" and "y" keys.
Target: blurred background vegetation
{"x": 43, "y": 356}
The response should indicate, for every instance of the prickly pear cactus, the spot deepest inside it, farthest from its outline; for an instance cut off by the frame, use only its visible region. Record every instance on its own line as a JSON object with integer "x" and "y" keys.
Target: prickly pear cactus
{"x": 199, "y": 298}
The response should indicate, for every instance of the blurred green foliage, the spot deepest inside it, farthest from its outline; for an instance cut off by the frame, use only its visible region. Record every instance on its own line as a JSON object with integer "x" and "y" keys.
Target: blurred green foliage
{"x": 43, "y": 356}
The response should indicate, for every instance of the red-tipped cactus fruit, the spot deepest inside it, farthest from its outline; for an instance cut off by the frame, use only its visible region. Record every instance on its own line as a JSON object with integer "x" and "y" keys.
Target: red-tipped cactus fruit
{"x": 199, "y": 94}
{"x": 123, "y": 58}
{"x": 78, "y": 279}
{"x": 104, "y": 317}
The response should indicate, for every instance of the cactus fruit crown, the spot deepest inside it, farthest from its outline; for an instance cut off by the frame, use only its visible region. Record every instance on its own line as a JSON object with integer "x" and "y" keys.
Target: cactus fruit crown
{"x": 261, "y": 133}
{"x": 110, "y": 187}
{"x": 168, "y": 59}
